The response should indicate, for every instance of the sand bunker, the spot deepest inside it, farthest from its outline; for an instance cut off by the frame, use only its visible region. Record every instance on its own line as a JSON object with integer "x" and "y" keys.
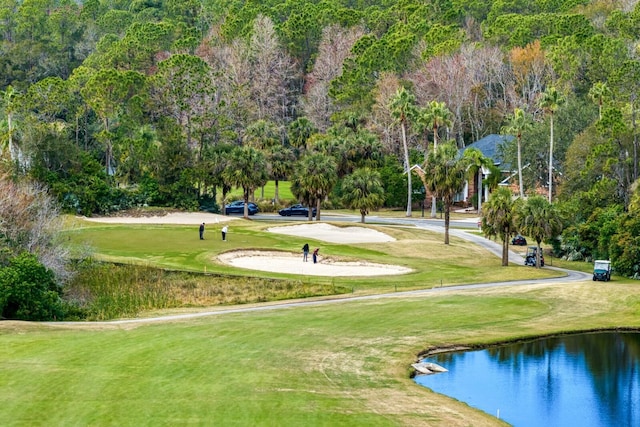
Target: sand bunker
{"x": 284, "y": 262}
{"x": 333, "y": 234}
{"x": 183, "y": 218}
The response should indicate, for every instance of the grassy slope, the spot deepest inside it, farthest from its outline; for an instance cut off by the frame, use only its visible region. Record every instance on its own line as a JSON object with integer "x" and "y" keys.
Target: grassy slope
{"x": 343, "y": 364}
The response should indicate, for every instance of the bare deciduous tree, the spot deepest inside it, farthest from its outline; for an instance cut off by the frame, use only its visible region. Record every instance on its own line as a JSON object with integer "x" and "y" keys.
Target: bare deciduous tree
{"x": 445, "y": 79}
{"x": 29, "y": 221}
{"x": 531, "y": 72}
{"x": 492, "y": 82}
{"x": 475, "y": 83}
{"x": 382, "y": 122}
{"x": 231, "y": 78}
{"x": 334, "y": 48}
{"x": 272, "y": 74}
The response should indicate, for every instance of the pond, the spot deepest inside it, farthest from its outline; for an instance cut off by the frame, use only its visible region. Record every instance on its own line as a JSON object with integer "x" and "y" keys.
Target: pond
{"x": 585, "y": 379}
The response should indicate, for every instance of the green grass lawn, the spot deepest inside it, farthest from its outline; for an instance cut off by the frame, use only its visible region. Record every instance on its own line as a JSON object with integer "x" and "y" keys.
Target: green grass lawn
{"x": 341, "y": 364}
{"x": 178, "y": 247}
{"x": 134, "y": 288}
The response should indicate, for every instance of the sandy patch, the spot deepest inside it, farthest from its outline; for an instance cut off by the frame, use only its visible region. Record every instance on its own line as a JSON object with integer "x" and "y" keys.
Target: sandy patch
{"x": 284, "y": 262}
{"x": 186, "y": 218}
{"x": 333, "y": 234}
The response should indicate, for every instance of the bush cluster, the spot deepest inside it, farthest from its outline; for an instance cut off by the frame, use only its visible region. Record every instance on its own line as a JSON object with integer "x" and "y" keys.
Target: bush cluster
{"x": 28, "y": 290}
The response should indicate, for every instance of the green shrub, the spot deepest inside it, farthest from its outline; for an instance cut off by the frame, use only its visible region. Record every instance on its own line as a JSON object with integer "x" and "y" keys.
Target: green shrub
{"x": 209, "y": 204}
{"x": 28, "y": 290}
{"x": 625, "y": 247}
{"x": 267, "y": 206}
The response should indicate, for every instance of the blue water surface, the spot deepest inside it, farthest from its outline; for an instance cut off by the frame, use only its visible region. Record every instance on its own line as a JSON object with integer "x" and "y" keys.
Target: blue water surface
{"x": 574, "y": 380}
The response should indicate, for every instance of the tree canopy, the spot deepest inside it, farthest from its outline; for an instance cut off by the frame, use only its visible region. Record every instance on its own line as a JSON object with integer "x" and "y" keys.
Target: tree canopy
{"x": 117, "y": 104}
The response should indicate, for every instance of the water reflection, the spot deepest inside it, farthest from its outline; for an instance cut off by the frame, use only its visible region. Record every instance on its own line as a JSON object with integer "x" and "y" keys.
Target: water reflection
{"x": 587, "y": 379}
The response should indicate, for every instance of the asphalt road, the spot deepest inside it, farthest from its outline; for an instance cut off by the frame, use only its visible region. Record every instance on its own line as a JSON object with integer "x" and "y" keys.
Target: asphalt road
{"x": 372, "y": 219}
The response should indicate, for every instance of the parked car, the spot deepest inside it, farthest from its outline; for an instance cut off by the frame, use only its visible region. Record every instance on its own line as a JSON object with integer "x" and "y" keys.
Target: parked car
{"x": 602, "y": 270}
{"x": 297, "y": 210}
{"x": 238, "y": 207}
{"x": 530, "y": 258}
{"x": 519, "y": 241}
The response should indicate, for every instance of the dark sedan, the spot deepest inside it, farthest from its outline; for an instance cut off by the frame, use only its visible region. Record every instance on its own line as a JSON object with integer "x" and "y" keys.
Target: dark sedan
{"x": 519, "y": 241}
{"x": 238, "y": 207}
{"x": 296, "y": 210}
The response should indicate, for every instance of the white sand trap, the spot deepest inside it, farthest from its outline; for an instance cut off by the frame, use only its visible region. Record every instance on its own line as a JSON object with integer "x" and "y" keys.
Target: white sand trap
{"x": 283, "y": 262}
{"x": 183, "y": 218}
{"x": 333, "y": 234}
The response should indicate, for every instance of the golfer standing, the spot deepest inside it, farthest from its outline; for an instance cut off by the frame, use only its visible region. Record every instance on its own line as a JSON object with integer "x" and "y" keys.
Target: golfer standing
{"x": 224, "y": 233}
{"x": 202, "y": 231}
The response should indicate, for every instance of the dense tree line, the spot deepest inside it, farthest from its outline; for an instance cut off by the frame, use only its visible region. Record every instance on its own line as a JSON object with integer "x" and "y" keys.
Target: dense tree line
{"x": 123, "y": 103}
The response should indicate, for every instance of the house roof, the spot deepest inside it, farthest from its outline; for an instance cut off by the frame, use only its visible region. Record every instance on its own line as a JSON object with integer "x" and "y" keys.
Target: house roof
{"x": 489, "y": 146}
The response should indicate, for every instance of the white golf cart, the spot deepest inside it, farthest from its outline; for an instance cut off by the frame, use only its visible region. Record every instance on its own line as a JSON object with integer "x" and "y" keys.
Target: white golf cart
{"x": 602, "y": 270}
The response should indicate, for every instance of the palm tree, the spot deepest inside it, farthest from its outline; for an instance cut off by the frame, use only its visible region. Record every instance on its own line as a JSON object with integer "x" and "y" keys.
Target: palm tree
{"x": 539, "y": 219}
{"x": 597, "y": 93}
{"x": 261, "y": 134}
{"x": 498, "y": 220}
{"x": 476, "y": 162}
{"x": 518, "y": 123}
{"x": 303, "y": 194}
{"x": 433, "y": 116}
{"x": 247, "y": 168}
{"x": 214, "y": 162}
{"x": 317, "y": 177}
{"x": 363, "y": 191}
{"x": 299, "y": 132}
{"x": 369, "y": 151}
{"x": 402, "y": 107}
{"x": 550, "y": 101}
{"x": 280, "y": 163}
{"x": 339, "y": 145}
{"x": 445, "y": 174}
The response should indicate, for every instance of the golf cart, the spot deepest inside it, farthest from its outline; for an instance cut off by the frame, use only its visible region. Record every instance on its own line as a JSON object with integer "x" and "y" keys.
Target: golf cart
{"x": 602, "y": 270}
{"x": 530, "y": 258}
